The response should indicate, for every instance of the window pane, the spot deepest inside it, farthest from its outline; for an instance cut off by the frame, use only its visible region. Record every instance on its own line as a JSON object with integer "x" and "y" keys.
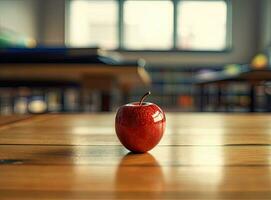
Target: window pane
{"x": 202, "y": 25}
{"x": 148, "y": 24}
{"x": 93, "y": 23}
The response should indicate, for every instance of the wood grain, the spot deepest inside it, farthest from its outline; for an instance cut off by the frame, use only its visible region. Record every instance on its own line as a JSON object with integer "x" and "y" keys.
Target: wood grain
{"x": 202, "y": 156}
{"x": 9, "y": 119}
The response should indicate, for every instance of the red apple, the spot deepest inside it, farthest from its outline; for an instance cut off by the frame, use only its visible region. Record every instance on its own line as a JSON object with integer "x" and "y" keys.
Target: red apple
{"x": 140, "y": 125}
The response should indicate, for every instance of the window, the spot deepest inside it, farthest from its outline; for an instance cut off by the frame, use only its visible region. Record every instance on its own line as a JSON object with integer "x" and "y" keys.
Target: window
{"x": 93, "y": 23}
{"x": 202, "y": 25}
{"x": 194, "y": 25}
{"x": 148, "y": 24}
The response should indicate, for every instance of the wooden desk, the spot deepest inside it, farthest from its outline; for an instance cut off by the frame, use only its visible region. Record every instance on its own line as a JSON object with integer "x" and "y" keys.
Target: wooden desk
{"x": 90, "y": 76}
{"x": 69, "y": 64}
{"x": 252, "y": 77}
{"x": 124, "y": 75}
{"x": 202, "y": 156}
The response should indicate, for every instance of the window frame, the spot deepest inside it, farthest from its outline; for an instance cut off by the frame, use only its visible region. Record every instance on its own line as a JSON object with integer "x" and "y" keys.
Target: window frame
{"x": 120, "y": 28}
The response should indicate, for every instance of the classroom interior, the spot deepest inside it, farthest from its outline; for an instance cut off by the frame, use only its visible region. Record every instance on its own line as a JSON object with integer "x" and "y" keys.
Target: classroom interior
{"x": 67, "y": 66}
{"x": 178, "y": 52}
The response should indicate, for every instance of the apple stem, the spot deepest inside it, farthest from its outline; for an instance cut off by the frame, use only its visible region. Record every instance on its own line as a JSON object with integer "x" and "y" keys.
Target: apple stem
{"x": 144, "y": 97}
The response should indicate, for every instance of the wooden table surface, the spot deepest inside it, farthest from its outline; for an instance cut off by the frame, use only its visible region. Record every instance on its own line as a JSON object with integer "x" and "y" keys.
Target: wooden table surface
{"x": 201, "y": 156}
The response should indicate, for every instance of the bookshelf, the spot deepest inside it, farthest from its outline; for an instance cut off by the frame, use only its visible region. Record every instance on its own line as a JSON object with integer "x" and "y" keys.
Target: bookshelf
{"x": 64, "y": 99}
{"x": 172, "y": 87}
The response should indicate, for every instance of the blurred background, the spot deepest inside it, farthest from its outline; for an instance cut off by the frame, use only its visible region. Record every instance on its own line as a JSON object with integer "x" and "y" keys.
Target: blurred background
{"x": 193, "y": 55}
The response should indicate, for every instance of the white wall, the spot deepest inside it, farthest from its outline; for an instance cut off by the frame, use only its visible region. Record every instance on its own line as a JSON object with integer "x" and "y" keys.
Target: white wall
{"x": 265, "y": 28}
{"x": 52, "y": 22}
{"x": 20, "y": 16}
{"x": 40, "y": 19}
